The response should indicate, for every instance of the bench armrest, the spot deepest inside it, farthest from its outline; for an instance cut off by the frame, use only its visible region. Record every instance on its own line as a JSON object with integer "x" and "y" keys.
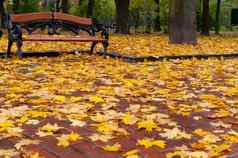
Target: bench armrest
{"x": 101, "y": 28}
{"x": 14, "y": 30}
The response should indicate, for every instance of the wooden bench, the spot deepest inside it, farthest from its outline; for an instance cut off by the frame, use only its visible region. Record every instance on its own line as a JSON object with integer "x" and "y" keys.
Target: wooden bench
{"x": 53, "y": 21}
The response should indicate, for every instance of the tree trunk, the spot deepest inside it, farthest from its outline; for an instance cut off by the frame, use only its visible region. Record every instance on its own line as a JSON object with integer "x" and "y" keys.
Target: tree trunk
{"x": 79, "y": 2}
{"x": 218, "y": 10}
{"x": 205, "y": 18}
{"x": 57, "y": 6}
{"x": 157, "y": 19}
{"x": 65, "y": 6}
{"x": 199, "y": 15}
{"x": 16, "y": 5}
{"x": 182, "y": 21}
{"x": 2, "y": 11}
{"x": 122, "y": 17}
{"x": 90, "y": 8}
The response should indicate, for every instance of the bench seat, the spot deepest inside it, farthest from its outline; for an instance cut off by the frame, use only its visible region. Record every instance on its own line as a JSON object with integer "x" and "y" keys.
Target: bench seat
{"x": 47, "y": 38}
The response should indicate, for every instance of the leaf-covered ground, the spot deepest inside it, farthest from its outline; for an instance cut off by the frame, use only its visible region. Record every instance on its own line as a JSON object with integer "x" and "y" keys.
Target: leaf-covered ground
{"x": 144, "y": 45}
{"x": 91, "y": 107}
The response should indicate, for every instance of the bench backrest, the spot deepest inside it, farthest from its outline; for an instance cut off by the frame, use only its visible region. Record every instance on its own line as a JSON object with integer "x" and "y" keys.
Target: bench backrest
{"x": 32, "y": 21}
{"x": 31, "y": 17}
{"x": 48, "y": 16}
{"x": 72, "y": 19}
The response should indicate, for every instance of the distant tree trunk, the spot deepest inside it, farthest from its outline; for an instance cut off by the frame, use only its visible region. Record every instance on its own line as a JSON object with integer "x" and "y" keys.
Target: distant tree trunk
{"x": 57, "y": 6}
{"x": 182, "y": 21}
{"x": 157, "y": 19}
{"x": 65, "y": 6}
{"x": 2, "y": 11}
{"x": 205, "y": 18}
{"x": 90, "y": 8}
{"x": 122, "y": 17}
{"x": 44, "y": 3}
{"x": 199, "y": 13}
{"x": 218, "y": 10}
{"x": 79, "y": 2}
{"x": 149, "y": 22}
{"x": 16, "y": 5}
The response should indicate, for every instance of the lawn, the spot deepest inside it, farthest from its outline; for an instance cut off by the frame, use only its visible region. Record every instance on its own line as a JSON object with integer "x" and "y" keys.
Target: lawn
{"x": 82, "y": 106}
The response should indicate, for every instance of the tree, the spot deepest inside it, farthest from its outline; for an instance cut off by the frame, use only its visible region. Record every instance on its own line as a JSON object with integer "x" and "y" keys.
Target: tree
{"x": 199, "y": 13}
{"x": 122, "y": 16}
{"x": 218, "y": 10}
{"x": 1, "y": 13}
{"x": 205, "y": 18}
{"x": 16, "y": 5}
{"x": 90, "y": 8}
{"x": 157, "y": 19}
{"x": 182, "y": 21}
{"x": 65, "y": 6}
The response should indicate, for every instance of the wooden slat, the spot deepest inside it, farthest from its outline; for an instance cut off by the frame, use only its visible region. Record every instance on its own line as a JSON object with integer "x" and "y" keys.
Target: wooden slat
{"x": 63, "y": 39}
{"x": 30, "y": 17}
{"x": 72, "y": 19}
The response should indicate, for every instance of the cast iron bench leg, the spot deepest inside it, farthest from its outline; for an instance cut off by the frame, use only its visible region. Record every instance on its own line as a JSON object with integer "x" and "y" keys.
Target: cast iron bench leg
{"x": 9, "y": 47}
{"x": 105, "y": 46}
{"x": 19, "y": 46}
{"x": 92, "y": 47}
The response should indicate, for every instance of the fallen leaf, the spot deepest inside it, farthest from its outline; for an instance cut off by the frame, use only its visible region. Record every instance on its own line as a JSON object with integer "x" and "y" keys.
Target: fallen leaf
{"x": 112, "y": 148}
{"x": 148, "y": 143}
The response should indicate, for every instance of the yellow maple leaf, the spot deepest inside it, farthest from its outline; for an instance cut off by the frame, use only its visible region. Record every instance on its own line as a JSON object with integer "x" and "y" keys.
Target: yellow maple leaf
{"x": 100, "y": 137}
{"x": 36, "y": 114}
{"x": 231, "y": 138}
{"x": 175, "y": 133}
{"x": 96, "y": 100}
{"x": 128, "y": 119}
{"x": 231, "y": 92}
{"x": 75, "y": 99}
{"x": 187, "y": 154}
{"x": 216, "y": 150}
{"x": 106, "y": 127}
{"x": 149, "y": 125}
{"x": 98, "y": 117}
{"x": 35, "y": 155}
{"x": 7, "y": 153}
{"x": 78, "y": 123}
{"x": 40, "y": 101}
{"x": 113, "y": 148}
{"x": 23, "y": 119}
{"x": 220, "y": 114}
{"x": 59, "y": 99}
{"x": 73, "y": 136}
{"x": 200, "y": 132}
{"x": 25, "y": 142}
{"x": 65, "y": 139}
{"x": 200, "y": 145}
{"x": 50, "y": 128}
{"x": 147, "y": 143}
{"x": 6, "y": 124}
{"x": 131, "y": 154}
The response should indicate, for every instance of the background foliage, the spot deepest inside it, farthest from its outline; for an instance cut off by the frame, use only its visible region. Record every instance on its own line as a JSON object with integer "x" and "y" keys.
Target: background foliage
{"x": 142, "y": 12}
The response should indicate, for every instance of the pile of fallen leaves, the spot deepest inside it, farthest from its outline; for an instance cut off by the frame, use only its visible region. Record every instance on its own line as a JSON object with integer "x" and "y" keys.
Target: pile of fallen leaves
{"x": 90, "y": 106}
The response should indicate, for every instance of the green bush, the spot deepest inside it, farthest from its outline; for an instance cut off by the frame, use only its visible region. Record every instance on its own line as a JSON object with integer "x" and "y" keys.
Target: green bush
{"x": 28, "y": 6}
{"x": 104, "y": 10}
